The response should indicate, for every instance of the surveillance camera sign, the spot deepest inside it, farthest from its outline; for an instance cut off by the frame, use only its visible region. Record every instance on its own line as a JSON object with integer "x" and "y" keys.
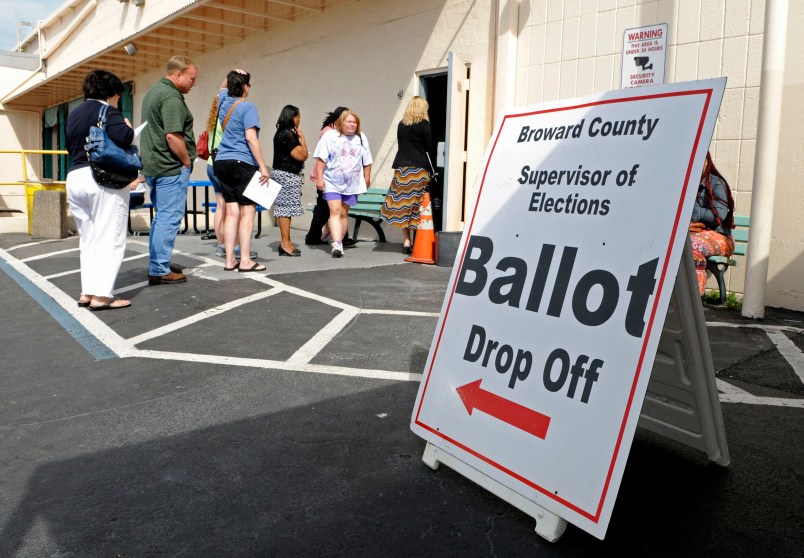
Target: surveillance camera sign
{"x": 546, "y": 338}
{"x": 644, "y": 51}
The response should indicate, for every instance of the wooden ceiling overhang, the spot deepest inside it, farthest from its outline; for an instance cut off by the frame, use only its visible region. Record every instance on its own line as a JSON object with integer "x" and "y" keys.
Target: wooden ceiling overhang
{"x": 199, "y": 28}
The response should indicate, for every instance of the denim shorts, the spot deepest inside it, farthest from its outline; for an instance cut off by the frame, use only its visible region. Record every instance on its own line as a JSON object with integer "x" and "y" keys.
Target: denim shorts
{"x": 216, "y": 184}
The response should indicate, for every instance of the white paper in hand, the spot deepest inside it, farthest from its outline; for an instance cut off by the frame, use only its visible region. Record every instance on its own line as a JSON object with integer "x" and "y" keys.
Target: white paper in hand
{"x": 263, "y": 195}
{"x": 138, "y": 130}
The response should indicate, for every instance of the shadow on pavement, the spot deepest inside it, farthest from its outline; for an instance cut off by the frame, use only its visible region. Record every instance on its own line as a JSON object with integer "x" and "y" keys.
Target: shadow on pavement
{"x": 337, "y": 479}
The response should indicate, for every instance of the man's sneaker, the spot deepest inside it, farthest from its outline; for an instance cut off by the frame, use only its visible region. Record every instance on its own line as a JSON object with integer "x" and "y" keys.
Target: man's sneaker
{"x": 347, "y": 242}
{"x": 171, "y": 278}
{"x": 337, "y": 249}
{"x": 251, "y": 253}
{"x": 220, "y": 251}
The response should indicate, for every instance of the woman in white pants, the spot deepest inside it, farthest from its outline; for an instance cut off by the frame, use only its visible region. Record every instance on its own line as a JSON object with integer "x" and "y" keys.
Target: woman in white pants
{"x": 100, "y": 213}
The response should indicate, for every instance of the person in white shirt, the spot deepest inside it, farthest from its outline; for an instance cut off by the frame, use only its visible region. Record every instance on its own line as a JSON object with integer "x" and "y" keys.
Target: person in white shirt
{"x": 343, "y": 171}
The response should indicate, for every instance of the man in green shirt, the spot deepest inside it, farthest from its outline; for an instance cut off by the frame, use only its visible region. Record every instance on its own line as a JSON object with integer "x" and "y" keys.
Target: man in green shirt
{"x": 168, "y": 152}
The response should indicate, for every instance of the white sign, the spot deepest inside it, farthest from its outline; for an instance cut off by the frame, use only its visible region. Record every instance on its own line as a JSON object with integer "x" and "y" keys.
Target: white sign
{"x": 644, "y": 52}
{"x": 547, "y": 334}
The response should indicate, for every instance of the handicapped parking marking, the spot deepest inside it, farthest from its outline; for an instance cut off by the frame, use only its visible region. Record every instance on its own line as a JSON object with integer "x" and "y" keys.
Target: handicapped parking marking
{"x": 82, "y": 335}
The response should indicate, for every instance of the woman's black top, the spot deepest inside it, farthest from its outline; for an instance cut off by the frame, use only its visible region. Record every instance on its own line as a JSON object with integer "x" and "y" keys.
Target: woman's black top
{"x": 415, "y": 142}
{"x": 82, "y": 118}
{"x": 286, "y": 141}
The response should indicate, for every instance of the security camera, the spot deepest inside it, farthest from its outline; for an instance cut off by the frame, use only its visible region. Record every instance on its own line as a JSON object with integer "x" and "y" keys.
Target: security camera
{"x": 643, "y": 61}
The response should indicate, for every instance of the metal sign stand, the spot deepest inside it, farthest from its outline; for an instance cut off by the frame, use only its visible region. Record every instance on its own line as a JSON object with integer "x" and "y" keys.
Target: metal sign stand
{"x": 681, "y": 402}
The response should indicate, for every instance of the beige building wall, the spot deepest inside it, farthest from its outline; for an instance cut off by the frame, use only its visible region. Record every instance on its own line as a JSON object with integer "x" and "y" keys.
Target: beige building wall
{"x": 19, "y": 129}
{"x": 356, "y": 57}
{"x": 367, "y": 56}
{"x": 570, "y": 48}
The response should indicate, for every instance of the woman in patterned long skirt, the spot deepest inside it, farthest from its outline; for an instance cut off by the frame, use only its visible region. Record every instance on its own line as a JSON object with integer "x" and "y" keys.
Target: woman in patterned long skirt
{"x": 712, "y": 220}
{"x": 412, "y": 166}
{"x": 290, "y": 152}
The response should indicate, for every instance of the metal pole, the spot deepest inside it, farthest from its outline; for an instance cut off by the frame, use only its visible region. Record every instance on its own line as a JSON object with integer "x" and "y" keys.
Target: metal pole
{"x": 765, "y": 158}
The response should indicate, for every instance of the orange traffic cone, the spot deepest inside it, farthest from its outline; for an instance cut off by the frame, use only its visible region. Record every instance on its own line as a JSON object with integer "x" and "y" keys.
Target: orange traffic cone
{"x": 424, "y": 244}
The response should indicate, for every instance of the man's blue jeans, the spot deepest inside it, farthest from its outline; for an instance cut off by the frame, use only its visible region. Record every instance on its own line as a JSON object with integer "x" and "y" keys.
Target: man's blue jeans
{"x": 169, "y": 196}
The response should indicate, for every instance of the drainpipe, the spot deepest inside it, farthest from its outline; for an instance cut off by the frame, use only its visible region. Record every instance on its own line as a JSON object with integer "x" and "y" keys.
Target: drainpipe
{"x": 765, "y": 158}
{"x": 507, "y": 14}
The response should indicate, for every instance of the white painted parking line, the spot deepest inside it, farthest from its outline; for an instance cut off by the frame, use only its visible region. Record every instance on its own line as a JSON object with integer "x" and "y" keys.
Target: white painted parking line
{"x": 791, "y": 353}
{"x": 763, "y": 327}
{"x": 205, "y": 259}
{"x": 72, "y": 271}
{"x": 37, "y": 243}
{"x": 325, "y": 369}
{"x": 300, "y": 292}
{"x": 49, "y": 254}
{"x": 133, "y": 287}
{"x": 103, "y": 333}
{"x": 733, "y": 394}
{"x": 316, "y": 344}
{"x": 195, "y": 318}
{"x": 300, "y": 360}
{"x": 401, "y": 313}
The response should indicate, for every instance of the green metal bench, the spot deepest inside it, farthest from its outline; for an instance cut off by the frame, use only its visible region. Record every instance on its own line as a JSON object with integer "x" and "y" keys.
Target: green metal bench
{"x": 368, "y": 209}
{"x": 718, "y": 265}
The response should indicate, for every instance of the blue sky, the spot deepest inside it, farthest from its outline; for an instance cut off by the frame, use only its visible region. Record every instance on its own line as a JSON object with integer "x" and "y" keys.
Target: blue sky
{"x": 14, "y": 11}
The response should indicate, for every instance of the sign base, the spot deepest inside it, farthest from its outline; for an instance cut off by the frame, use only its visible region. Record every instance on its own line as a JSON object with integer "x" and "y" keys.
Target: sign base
{"x": 548, "y": 525}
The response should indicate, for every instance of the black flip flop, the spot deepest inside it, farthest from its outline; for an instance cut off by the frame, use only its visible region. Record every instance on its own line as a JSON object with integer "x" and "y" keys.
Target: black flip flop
{"x": 255, "y": 267}
{"x": 236, "y": 266}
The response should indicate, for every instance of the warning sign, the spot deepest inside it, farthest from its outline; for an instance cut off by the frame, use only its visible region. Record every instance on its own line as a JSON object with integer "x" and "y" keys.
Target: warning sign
{"x": 644, "y": 52}
{"x": 547, "y": 334}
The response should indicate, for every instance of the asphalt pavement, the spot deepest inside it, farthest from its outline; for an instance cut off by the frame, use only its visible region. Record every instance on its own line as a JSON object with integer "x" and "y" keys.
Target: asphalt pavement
{"x": 268, "y": 414}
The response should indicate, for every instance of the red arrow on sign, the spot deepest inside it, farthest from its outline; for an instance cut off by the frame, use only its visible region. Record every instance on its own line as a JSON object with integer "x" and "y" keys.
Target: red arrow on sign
{"x": 532, "y": 422}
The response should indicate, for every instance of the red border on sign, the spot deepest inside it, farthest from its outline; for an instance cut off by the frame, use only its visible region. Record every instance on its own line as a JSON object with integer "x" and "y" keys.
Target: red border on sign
{"x": 594, "y": 516}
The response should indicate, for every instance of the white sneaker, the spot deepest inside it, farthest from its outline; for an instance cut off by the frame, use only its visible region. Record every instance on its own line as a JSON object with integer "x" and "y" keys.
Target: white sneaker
{"x": 337, "y": 249}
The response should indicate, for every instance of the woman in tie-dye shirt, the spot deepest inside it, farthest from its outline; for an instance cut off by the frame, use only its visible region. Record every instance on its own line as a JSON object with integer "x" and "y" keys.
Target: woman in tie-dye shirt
{"x": 343, "y": 169}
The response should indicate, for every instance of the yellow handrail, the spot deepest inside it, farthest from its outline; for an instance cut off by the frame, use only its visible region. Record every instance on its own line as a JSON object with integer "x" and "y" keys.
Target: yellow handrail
{"x": 23, "y": 153}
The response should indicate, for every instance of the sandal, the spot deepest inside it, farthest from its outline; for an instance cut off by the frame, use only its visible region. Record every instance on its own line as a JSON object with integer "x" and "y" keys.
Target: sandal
{"x": 112, "y": 304}
{"x": 255, "y": 267}
{"x": 82, "y": 303}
